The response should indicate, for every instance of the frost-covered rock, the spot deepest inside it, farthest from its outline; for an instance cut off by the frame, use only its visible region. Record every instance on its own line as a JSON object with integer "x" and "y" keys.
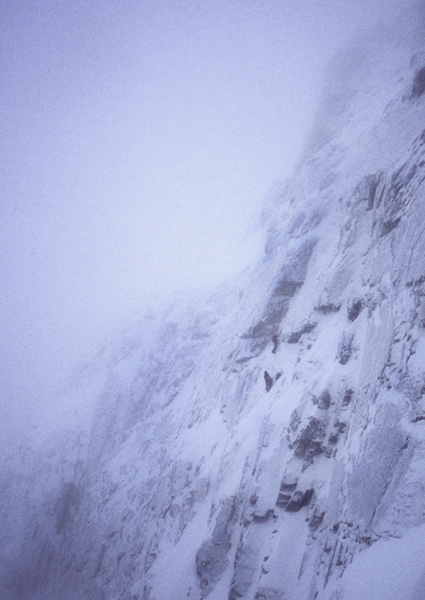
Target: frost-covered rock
{"x": 211, "y": 558}
{"x": 191, "y": 480}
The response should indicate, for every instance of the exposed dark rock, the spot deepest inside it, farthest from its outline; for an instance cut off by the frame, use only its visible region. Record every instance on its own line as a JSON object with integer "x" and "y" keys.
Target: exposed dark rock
{"x": 419, "y": 418}
{"x": 396, "y": 196}
{"x": 245, "y": 567}
{"x": 308, "y": 496}
{"x": 288, "y": 484}
{"x": 333, "y": 438}
{"x": 373, "y": 186}
{"x": 309, "y": 442}
{"x": 290, "y": 280}
{"x": 287, "y": 487}
{"x": 354, "y": 310}
{"x": 99, "y": 561}
{"x": 253, "y": 499}
{"x": 324, "y": 400}
{"x": 295, "y": 504}
{"x": 299, "y": 499}
{"x": 366, "y": 540}
{"x": 366, "y": 190}
{"x": 418, "y": 87}
{"x": 295, "y": 421}
{"x": 348, "y": 395}
{"x": 295, "y": 336}
{"x": 262, "y": 517}
{"x": 345, "y": 348}
{"x": 388, "y": 226}
{"x": 326, "y": 309}
{"x": 416, "y": 282}
{"x": 269, "y": 594}
{"x": 316, "y": 519}
{"x": 211, "y": 558}
{"x": 329, "y": 451}
{"x": 341, "y": 426}
{"x": 221, "y": 533}
{"x": 268, "y": 381}
{"x": 283, "y": 499}
{"x": 68, "y": 498}
{"x": 287, "y": 287}
{"x": 149, "y": 560}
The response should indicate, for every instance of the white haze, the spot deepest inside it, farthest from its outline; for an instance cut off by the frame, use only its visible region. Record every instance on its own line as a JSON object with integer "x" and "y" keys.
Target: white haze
{"x": 139, "y": 139}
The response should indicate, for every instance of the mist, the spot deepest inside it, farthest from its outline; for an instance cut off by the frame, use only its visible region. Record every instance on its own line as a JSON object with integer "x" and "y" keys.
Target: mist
{"x": 139, "y": 140}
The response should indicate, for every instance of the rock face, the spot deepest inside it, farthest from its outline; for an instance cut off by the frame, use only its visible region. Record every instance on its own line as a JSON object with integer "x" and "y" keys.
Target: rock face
{"x": 191, "y": 481}
{"x": 211, "y": 558}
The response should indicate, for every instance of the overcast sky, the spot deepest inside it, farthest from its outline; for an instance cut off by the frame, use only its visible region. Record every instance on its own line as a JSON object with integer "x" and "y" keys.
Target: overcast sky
{"x": 139, "y": 138}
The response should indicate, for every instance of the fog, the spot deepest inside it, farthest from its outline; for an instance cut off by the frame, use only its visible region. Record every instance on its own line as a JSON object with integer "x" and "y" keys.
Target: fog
{"x": 139, "y": 139}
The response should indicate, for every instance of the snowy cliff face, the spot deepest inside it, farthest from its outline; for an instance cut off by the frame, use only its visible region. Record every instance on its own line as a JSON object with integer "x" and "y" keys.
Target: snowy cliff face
{"x": 194, "y": 481}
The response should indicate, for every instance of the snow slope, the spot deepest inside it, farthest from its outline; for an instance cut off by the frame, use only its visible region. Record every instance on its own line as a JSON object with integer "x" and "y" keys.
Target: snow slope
{"x": 192, "y": 480}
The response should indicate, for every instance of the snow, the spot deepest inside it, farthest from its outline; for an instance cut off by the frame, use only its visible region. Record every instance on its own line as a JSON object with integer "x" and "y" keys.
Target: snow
{"x": 389, "y": 570}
